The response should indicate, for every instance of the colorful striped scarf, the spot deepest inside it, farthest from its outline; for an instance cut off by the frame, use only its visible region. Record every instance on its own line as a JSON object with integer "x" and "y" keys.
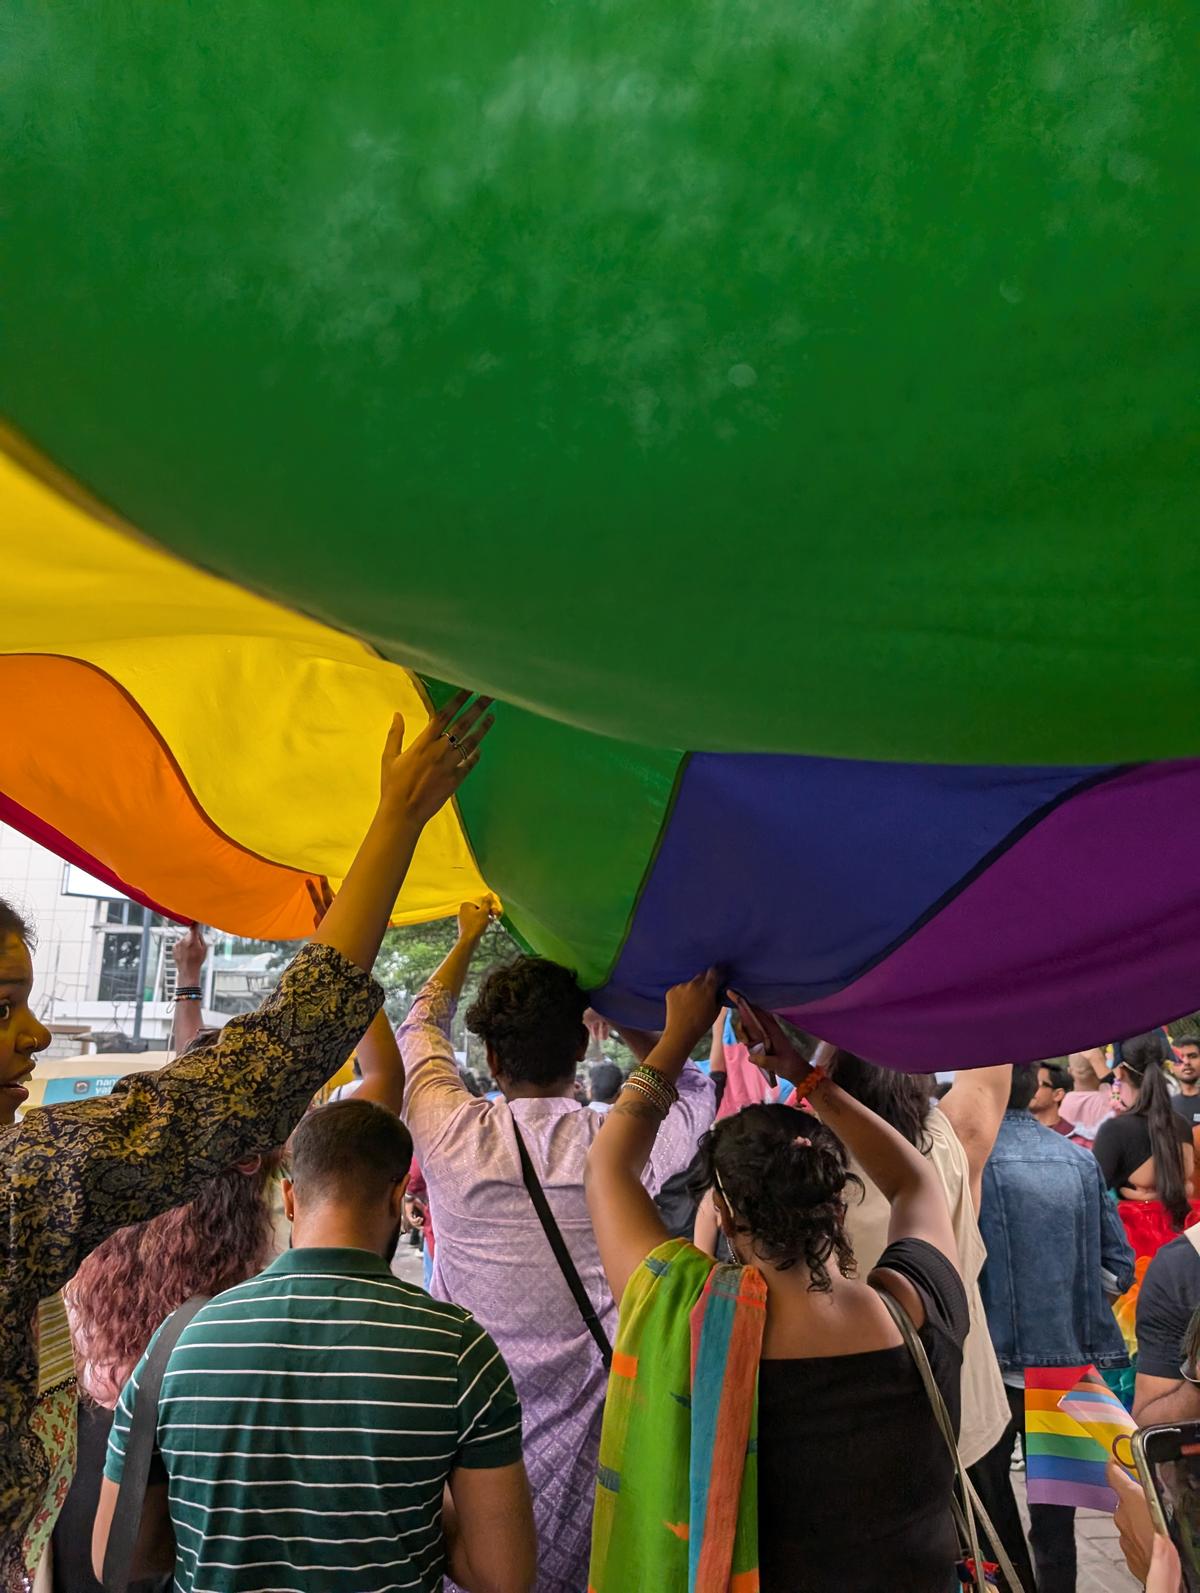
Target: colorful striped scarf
{"x": 677, "y": 1489}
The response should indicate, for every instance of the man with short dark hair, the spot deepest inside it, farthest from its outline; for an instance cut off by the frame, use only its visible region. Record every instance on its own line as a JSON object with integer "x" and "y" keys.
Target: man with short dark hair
{"x": 605, "y": 1082}
{"x": 1053, "y": 1083}
{"x": 1187, "y": 1075}
{"x": 311, "y": 1420}
{"x": 492, "y": 1254}
{"x": 1055, "y": 1247}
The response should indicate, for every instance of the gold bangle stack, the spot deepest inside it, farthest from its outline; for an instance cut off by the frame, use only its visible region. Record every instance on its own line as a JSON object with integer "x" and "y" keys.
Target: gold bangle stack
{"x": 653, "y": 1087}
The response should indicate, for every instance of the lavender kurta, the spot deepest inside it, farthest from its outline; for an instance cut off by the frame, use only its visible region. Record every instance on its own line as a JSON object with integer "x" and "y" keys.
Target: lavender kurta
{"x": 493, "y": 1259}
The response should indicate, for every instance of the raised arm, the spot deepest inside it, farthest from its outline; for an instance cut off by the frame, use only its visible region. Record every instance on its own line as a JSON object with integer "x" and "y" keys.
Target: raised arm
{"x": 380, "y": 1064}
{"x": 640, "y": 1041}
{"x": 414, "y": 785}
{"x": 975, "y": 1105}
{"x": 625, "y": 1219}
{"x": 1097, "y": 1060}
{"x": 188, "y": 953}
{"x": 718, "y": 1063}
{"x": 699, "y": 1099}
{"x": 150, "y": 1144}
{"x": 903, "y": 1176}
{"x": 434, "y": 1090}
{"x": 473, "y": 921}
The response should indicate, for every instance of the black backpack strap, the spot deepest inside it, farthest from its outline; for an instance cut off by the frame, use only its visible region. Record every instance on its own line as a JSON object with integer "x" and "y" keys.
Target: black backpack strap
{"x": 561, "y": 1254}
{"x": 139, "y": 1451}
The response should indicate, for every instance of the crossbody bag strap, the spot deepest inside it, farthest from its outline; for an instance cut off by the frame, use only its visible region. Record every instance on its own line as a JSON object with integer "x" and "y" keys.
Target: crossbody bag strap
{"x": 971, "y": 1509}
{"x": 139, "y": 1451}
{"x": 562, "y": 1255}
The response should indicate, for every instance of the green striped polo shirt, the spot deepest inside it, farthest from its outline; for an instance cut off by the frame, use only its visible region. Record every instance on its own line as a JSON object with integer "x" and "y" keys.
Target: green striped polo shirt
{"x": 308, "y": 1422}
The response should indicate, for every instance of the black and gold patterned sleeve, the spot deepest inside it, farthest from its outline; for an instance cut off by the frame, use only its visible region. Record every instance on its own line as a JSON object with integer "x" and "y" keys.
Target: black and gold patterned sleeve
{"x": 79, "y": 1171}
{"x": 75, "y": 1173}
{"x": 70, "y": 1175}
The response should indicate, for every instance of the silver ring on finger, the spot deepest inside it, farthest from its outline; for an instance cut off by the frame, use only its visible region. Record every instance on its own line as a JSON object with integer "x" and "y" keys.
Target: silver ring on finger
{"x": 453, "y": 740}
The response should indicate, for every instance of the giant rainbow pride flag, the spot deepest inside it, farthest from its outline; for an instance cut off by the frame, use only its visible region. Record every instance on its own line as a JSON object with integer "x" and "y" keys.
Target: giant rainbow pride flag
{"x": 786, "y": 411}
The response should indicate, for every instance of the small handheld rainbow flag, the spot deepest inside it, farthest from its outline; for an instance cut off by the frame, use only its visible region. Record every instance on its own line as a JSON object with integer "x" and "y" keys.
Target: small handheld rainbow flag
{"x": 1071, "y": 1420}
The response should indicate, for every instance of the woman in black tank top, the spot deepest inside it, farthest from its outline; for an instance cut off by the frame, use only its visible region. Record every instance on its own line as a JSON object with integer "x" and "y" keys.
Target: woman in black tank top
{"x": 854, "y": 1478}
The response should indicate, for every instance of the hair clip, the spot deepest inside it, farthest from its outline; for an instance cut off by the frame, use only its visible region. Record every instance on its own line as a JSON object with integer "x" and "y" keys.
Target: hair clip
{"x": 800, "y": 1140}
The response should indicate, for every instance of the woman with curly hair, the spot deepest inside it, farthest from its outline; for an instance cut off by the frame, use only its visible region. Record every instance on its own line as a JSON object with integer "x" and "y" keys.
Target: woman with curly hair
{"x": 765, "y": 1420}
{"x": 117, "y": 1299}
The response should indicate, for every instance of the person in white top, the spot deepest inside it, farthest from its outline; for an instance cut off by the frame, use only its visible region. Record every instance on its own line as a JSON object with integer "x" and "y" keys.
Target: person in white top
{"x": 604, "y": 1085}
{"x": 957, "y": 1135}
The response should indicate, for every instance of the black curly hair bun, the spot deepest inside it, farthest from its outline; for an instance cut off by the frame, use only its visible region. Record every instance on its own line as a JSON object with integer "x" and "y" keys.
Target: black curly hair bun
{"x": 785, "y": 1177}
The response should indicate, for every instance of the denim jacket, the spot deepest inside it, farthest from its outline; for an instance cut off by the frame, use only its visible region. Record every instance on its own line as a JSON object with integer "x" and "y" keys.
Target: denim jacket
{"x": 1049, "y": 1228}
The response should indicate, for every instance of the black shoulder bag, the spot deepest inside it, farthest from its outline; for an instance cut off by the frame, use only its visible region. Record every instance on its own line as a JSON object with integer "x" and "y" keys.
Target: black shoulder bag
{"x": 561, "y": 1254}
{"x": 139, "y": 1451}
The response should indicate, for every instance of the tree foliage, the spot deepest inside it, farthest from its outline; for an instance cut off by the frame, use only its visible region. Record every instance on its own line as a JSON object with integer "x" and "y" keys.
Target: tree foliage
{"x": 410, "y": 954}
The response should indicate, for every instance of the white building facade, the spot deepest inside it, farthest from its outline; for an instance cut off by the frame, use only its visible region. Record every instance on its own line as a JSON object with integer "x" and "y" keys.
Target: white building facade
{"x": 89, "y": 960}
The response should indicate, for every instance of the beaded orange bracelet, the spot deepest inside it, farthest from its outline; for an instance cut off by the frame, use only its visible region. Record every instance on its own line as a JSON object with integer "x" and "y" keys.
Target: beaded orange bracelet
{"x": 811, "y": 1082}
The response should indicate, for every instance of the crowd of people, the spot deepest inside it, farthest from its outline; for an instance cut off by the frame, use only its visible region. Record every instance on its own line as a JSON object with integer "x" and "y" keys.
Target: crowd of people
{"x": 751, "y": 1313}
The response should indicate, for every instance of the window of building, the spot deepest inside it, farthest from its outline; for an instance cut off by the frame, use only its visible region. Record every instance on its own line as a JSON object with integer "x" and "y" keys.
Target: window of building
{"x": 119, "y": 960}
{"x": 121, "y": 912}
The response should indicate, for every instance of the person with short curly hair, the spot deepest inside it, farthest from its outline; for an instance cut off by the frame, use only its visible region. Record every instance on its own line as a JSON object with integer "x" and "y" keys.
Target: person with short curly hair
{"x": 765, "y": 1423}
{"x": 529, "y": 1015}
{"x": 492, "y": 1256}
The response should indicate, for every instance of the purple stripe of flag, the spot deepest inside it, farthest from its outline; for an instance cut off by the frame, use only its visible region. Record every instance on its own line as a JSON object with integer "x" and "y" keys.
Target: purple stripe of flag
{"x": 1082, "y": 1495}
{"x": 1123, "y": 853}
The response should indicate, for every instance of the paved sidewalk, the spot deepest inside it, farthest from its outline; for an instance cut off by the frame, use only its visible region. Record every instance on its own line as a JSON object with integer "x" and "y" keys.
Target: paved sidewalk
{"x": 408, "y": 1263}
{"x": 1102, "y": 1566}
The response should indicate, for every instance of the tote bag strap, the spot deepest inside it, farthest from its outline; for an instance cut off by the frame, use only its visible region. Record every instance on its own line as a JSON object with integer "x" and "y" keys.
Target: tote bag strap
{"x": 562, "y": 1255}
{"x": 971, "y": 1510}
{"x": 139, "y": 1450}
